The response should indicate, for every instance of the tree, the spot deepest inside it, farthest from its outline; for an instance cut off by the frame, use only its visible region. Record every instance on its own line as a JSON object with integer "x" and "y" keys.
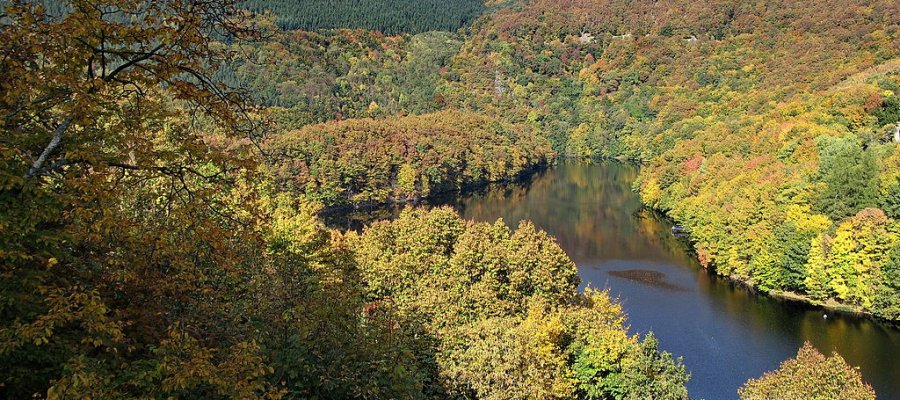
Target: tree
{"x": 810, "y": 375}
{"x": 887, "y": 296}
{"x": 81, "y": 89}
{"x": 786, "y": 269}
{"x": 816, "y": 282}
{"x": 118, "y": 215}
{"x": 850, "y": 174}
{"x": 401, "y": 16}
{"x": 377, "y": 161}
{"x": 857, "y": 255}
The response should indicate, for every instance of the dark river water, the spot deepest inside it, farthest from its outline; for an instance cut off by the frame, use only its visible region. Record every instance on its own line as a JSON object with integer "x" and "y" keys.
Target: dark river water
{"x": 725, "y": 333}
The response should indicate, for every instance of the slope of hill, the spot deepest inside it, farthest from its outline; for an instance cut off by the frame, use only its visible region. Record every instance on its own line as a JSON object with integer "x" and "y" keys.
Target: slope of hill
{"x": 765, "y": 129}
{"x": 406, "y": 16}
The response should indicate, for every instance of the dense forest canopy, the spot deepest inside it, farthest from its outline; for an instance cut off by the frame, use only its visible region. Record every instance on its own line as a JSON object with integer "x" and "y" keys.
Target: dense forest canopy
{"x": 160, "y": 188}
{"x": 400, "y": 16}
{"x": 148, "y": 252}
{"x": 406, "y": 158}
{"x": 311, "y": 77}
{"x": 387, "y": 17}
{"x": 803, "y": 377}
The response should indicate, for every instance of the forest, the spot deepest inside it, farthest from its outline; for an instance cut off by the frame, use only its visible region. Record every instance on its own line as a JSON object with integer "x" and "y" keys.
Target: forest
{"x": 403, "y": 159}
{"x": 405, "y": 16}
{"x": 164, "y": 166}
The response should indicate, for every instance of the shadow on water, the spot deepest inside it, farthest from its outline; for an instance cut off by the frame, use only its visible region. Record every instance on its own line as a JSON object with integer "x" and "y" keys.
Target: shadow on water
{"x": 725, "y": 333}
{"x": 650, "y": 278}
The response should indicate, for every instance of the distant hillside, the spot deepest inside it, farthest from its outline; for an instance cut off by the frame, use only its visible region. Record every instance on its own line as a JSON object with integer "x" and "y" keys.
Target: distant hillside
{"x": 389, "y": 17}
{"x": 400, "y": 16}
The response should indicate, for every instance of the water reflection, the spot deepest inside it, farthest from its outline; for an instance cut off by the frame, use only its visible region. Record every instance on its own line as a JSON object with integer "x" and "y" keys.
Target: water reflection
{"x": 725, "y": 333}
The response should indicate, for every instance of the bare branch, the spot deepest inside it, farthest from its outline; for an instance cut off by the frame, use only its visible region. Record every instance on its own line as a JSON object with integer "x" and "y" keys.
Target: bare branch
{"x": 134, "y": 61}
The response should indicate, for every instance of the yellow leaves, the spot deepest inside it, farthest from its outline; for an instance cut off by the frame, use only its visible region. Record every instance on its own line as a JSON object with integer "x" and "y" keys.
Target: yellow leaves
{"x": 84, "y": 309}
{"x": 235, "y": 371}
{"x": 580, "y": 141}
{"x": 519, "y": 90}
{"x": 373, "y": 108}
{"x": 849, "y": 265}
{"x": 407, "y": 178}
{"x": 805, "y": 220}
{"x": 501, "y": 304}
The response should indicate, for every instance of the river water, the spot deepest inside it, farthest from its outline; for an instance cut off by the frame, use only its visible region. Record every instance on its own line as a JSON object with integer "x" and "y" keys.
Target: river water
{"x": 725, "y": 333}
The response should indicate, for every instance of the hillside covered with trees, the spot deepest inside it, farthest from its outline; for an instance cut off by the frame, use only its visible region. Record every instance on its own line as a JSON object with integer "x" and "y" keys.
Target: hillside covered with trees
{"x": 404, "y": 16}
{"x": 365, "y": 161}
{"x": 163, "y": 166}
{"x": 147, "y": 253}
{"x": 312, "y": 77}
{"x": 765, "y": 130}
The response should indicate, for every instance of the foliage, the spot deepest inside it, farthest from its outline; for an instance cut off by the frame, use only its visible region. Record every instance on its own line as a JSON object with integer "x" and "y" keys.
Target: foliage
{"x": 154, "y": 247}
{"x": 810, "y": 375}
{"x": 399, "y": 159}
{"x": 501, "y": 308}
{"x": 122, "y": 247}
{"x": 849, "y": 174}
{"x": 147, "y": 254}
{"x": 887, "y": 296}
{"x": 856, "y": 256}
{"x": 311, "y": 77}
{"x": 761, "y": 127}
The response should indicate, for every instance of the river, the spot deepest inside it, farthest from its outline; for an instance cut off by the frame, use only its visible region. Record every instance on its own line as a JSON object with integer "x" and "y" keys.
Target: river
{"x": 725, "y": 333}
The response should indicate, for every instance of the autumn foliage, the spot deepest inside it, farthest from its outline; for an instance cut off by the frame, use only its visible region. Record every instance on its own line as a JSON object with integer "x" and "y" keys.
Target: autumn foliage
{"x": 764, "y": 129}
{"x": 160, "y": 233}
{"x": 364, "y": 161}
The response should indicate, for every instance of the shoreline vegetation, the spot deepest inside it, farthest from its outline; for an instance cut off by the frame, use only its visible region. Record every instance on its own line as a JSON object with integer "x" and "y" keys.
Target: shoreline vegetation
{"x": 434, "y": 196}
{"x": 829, "y": 305}
{"x": 404, "y": 159}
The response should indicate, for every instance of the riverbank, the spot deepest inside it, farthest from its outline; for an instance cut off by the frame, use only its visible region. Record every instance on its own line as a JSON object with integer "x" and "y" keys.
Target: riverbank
{"x": 726, "y": 332}
{"x": 712, "y": 320}
{"x": 830, "y": 305}
{"x": 356, "y": 215}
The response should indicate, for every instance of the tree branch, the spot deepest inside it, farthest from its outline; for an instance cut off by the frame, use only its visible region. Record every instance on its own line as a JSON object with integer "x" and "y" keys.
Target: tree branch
{"x": 134, "y": 61}
{"x": 38, "y": 164}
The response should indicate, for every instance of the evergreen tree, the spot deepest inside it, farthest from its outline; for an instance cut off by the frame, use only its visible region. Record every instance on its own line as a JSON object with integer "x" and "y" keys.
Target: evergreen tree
{"x": 401, "y": 16}
{"x": 850, "y": 174}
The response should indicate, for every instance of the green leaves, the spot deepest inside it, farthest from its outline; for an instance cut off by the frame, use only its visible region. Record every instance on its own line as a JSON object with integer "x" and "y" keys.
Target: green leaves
{"x": 850, "y": 175}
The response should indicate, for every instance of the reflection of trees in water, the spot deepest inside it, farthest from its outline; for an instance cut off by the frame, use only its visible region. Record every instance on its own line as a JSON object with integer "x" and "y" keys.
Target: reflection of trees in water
{"x": 347, "y": 218}
{"x": 655, "y": 227}
{"x": 589, "y": 207}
